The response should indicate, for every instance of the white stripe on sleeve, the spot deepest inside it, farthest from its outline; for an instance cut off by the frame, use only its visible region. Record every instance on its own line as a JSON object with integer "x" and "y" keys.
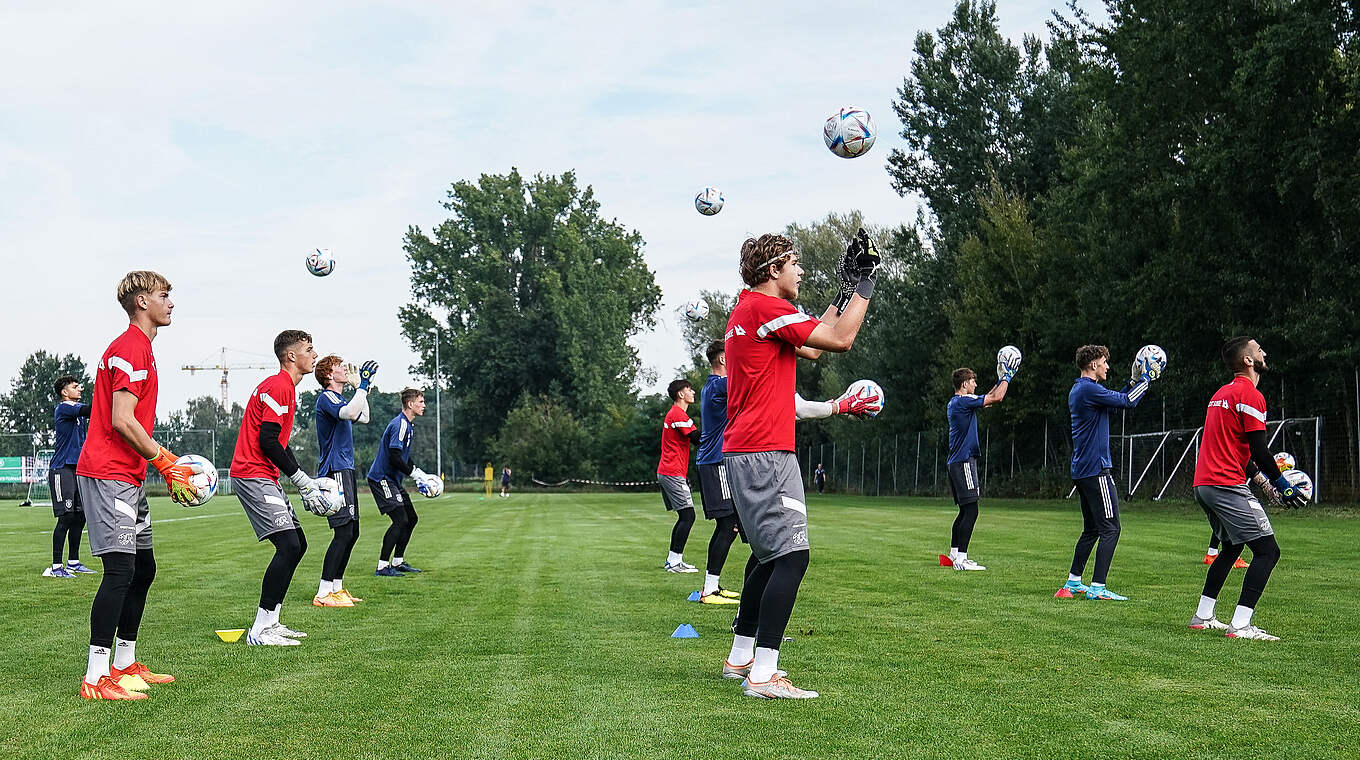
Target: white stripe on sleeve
{"x": 119, "y": 363}
{"x": 273, "y": 405}
{"x": 778, "y": 322}
{"x": 1137, "y": 391}
{"x": 1252, "y": 411}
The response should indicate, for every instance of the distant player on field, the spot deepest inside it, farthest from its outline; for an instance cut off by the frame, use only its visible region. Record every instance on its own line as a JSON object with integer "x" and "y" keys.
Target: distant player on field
{"x": 110, "y": 475}
{"x": 1091, "y": 405}
{"x": 72, "y": 420}
{"x": 390, "y": 465}
{"x": 1235, "y": 434}
{"x": 335, "y": 440}
{"x": 672, "y": 472}
{"x": 505, "y": 482}
{"x": 764, "y": 334}
{"x": 963, "y": 455}
{"x": 819, "y": 477}
{"x": 261, "y": 455}
{"x": 488, "y": 477}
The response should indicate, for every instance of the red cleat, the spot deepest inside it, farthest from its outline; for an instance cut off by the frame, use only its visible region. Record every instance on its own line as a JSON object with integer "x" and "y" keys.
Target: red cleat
{"x": 1241, "y": 564}
{"x": 107, "y": 688}
{"x": 1209, "y": 559}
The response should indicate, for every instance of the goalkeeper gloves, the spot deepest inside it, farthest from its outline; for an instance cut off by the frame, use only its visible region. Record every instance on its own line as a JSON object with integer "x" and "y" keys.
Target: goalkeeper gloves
{"x": 1144, "y": 369}
{"x": 860, "y": 403}
{"x": 178, "y": 477}
{"x": 313, "y": 500}
{"x": 366, "y": 374}
{"x": 423, "y": 483}
{"x": 1267, "y": 490}
{"x": 1291, "y": 496}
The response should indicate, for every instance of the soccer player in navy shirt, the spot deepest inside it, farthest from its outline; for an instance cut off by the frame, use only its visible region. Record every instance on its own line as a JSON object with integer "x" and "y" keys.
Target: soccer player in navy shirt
{"x": 335, "y": 440}
{"x": 391, "y": 464}
{"x": 963, "y": 455}
{"x": 713, "y": 477}
{"x": 72, "y": 419}
{"x": 1091, "y": 405}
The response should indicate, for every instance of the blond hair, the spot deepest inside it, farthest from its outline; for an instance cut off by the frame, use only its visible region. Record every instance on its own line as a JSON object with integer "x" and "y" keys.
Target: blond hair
{"x": 136, "y": 283}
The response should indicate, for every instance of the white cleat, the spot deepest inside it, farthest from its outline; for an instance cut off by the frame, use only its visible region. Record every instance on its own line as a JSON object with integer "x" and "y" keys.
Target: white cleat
{"x": 284, "y": 630}
{"x": 967, "y": 564}
{"x": 269, "y": 638}
{"x": 680, "y": 567}
{"x": 778, "y": 687}
{"x": 1210, "y": 623}
{"x": 1250, "y": 632}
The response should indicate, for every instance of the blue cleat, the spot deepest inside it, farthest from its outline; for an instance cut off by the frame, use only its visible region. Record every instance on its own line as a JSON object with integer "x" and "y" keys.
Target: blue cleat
{"x": 1101, "y": 593}
{"x": 75, "y": 566}
{"x": 57, "y": 572}
{"x": 1071, "y": 590}
{"x": 405, "y": 567}
{"x": 389, "y": 572}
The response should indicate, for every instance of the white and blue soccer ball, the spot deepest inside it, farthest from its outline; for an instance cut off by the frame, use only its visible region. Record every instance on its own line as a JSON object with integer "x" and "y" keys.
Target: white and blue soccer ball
{"x": 1300, "y": 480}
{"x": 320, "y": 262}
{"x": 850, "y": 132}
{"x": 1009, "y": 356}
{"x": 709, "y": 201}
{"x": 205, "y": 483}
{"x": 432, "y": 486}
{"x": 334, "y": 493}
{"x": 867, "y": 389}
{"x": 1152, "y": 355}
{"x": 696, "y": 310}
{"x": 1284, "y": 461}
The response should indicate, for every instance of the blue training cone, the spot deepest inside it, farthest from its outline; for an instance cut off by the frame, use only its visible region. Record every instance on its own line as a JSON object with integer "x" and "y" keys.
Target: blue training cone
{"x": 685, "y": 631}
{"x": 693, "y": 596}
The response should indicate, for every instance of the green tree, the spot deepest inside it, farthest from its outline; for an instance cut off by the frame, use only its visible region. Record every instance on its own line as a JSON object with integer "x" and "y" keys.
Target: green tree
{"x": 543, "y": 438}
{"x": 27, "y": 407}
{"x": 541, "y": 295}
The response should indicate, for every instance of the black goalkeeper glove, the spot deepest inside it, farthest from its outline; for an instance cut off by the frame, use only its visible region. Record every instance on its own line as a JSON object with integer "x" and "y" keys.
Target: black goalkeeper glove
{"x": 866, "y": 261}
{"x": 846, "y": 271}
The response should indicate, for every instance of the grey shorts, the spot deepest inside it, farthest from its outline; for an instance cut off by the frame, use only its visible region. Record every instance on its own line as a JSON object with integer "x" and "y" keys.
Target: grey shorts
{"x": 351, "y": 492}
{"x": 265, "y": 505}
{"x": 767, "y": 490}
{"x": 963, "y": 482}
{"x": 675, "y": 492}
{"x": 717, "y": 495}
{"x": 117, "y": 516}
{"x": 65, "y": 492}
{"x": 1234, "y": 513}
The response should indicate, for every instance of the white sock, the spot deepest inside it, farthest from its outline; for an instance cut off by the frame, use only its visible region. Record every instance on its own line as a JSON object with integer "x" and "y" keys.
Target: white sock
{"x": 674, "y": 558}
{"x": 72, "y": 562}
{"x": 743, "y": 650}
{"x": 124, "y": 653}
{"x": 324, "y": 588}
{"x": 767, "y": 662}
{"x": 56, "y": 565}
{"x": 961, "y": 557}
{"x": 261, "y": 621}
{"x": 337, "y": 584}
{"x": 1242, "y": 616}
{"x": 1212, "y": 552}
{"x": 710, "y": 584}
{"x": 1206, "y": 608}
{"x": 1097, "y": 585}
{"x": 98, "y": 665}
{"x": 274, "y": 614}
{"x": 398, "y": 561}
{"x": 382, "y": 563}
{"x": 1073, "y": 578}
{"x": 953, "y": 552}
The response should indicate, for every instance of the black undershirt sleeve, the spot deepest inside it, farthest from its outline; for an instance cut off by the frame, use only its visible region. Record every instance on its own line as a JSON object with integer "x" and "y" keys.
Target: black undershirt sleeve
{"x": 1261, "y": 456}
{"x": 394, "y": 459}
{"x": 694, "y": 437}
{"x": 276, "y": 452}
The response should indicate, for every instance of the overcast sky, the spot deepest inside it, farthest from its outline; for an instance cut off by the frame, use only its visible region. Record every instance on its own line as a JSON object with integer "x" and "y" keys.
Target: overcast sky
{"x": 218, "y": 143}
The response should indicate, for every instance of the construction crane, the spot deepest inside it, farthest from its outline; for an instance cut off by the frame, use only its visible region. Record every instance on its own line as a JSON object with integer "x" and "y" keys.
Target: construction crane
{"x": 225, "y": 368}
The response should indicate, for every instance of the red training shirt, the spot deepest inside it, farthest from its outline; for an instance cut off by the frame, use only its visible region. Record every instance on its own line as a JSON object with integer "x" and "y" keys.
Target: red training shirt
{"x": 127, "y": 365}
{"x": 762, "y": 335}
{"x": 274, "y": 400}
{"x": 675, "y": 443}
{"x": 1237, "y": 409}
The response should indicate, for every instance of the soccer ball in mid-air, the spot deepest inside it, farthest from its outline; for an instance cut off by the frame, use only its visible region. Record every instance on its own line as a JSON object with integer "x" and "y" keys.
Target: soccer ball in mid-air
{"x": 696, "y": 310}
{"x": 334, "y": 493}
{"x": 709, "y": 201}
{"x": 1301, "y": 481}
{"x": 1152, "y": 355}
{"x": 849, "y": 132}
{"x": 867, "y": 389}
{"x": 320, "y": 262}
{"x": 1284, "y": 460}
{"x": 205, "y": 483}
{"x": 1009, "y": 356}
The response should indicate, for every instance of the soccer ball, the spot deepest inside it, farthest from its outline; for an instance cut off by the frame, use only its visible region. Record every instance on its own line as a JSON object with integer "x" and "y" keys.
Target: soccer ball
{"x": 709, "y": 201}
{"x": 1009, "y": 356}
{"x": 849, "y": 132}
{"x": 1301, "y": 481}
{"x": 867, "y": 388}
{"x": 1285, "y": 461}
{"x": 334, "y": 493}
{"x": 205, "y": 482}
{"x": 320, "y": 262}
{"x": 434, "y": 486}
{"x": 1153, "y": 354}
{"x": 696, "y": 310}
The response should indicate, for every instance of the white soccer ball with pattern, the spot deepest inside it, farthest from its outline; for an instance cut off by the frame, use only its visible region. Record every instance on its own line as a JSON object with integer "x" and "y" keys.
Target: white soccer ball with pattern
{"x": 709, "y": 201}
{"x": 696, "y": 310}
{"x": 334, "y": 493}
{"x": 433, "y": 486}
{"x": 1284, "y": 460}
{"x": 868, "y": 389}
{"x": 205, "y": 483}
{"x": 1301, "y": 481}
{"x": 320, "y": 262}
{"x": 850, "y": 132}
{"x": 1154, "y": 354}
{"x": 1009, "y": 356}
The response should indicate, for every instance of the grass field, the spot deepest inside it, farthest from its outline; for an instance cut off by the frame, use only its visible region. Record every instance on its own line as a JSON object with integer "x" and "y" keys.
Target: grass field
{"x": 541, "y": 629}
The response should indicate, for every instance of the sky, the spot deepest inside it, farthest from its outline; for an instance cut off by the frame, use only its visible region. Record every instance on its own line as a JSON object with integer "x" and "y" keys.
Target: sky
{"x": 219, "y": 143}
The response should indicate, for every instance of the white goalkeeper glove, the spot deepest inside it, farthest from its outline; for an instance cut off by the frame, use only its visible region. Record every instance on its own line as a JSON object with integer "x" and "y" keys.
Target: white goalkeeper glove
{"x": 312, "y": 499}
{"x": 422, "y": 480}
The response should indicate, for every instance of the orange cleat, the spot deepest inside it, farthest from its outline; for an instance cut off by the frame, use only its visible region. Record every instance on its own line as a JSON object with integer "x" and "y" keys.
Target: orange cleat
{"x": 1241, "y": 564}
{"x": 1209, "y": 559}
{"x": 331, "y": 600}
{"x": 106, "y": 688}
{"x": 346, "y": 594}
{"x": 139, "y": 670}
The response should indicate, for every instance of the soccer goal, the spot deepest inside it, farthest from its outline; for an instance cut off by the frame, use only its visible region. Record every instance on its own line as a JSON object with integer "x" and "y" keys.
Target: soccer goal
{"x": 1162, "y": 464}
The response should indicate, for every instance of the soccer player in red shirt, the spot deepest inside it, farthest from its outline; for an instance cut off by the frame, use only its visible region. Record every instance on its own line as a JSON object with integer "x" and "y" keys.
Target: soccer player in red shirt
{"x": 764, "y": 334}
{"x": 110, "y": 475}
{"x": 262, "y": 453}
{"x": 1234, "y": 434}
{"x": 677, "y": 435}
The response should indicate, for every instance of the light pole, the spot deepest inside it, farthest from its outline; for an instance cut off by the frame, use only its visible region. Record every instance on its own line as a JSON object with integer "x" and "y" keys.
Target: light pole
{"x": 438, "y": 448}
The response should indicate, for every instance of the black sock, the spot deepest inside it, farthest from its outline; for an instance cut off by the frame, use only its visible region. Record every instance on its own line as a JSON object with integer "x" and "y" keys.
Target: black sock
{"x": 107, "y": 608}
{"x": 405, "y": 538}
{"x": 684, "y": 520}
{"x": 73, "y": 534}
{"x": 963, "y": 526}
{"x": 144, "y": 572}
{"x": 1265, "y": 552}
{"x": 781, "y": 591}
{"x": 724, "y": 533}
{"x": 289, "y": 546}
{"x": 394, "y": 531}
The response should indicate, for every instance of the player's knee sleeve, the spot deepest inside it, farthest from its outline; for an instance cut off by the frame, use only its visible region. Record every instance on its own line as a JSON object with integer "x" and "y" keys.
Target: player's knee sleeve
{"x": 302, "y": 543}
{"x": 287, "y": 546}
{"x": 399, "y": 518}
{"x": 684, "y": 516}
{"x": 795, "y": 562}
{"x": 119, "y": 570}
{"x": 1264, "y": 550}
{"x": 411, "y": 518}
{"x": 144, "y": 568}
